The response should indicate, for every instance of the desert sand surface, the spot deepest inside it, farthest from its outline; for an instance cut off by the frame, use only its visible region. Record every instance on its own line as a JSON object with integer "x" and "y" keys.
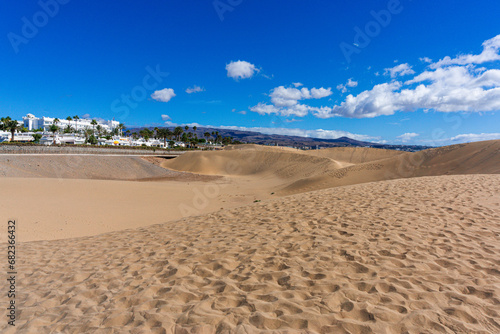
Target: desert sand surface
{"x": 56, "y": 208}
{"x": 72, "y": 196}
{"x": 416, "y": 255}
{"x": 258, "y": 240}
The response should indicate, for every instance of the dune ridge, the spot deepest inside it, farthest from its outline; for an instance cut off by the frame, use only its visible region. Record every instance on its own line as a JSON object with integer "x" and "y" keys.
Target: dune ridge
{"x": 355, "y": 155}
{"x": 413, "y": 255}
{"x": 303, "y": 171}
{"x": 253, "y": 162}
{"x": 472, "y": 158}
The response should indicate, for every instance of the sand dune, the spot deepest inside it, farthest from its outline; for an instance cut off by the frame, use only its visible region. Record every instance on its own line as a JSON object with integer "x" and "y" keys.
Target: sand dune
{"x": 254, "y": 162}
{"x": 414, "y": 252}
{"x": 64, "y": 203}
{"x": 354, "y": 155}
{"x": 302, "y": 171}
{"x": 472, "y": 158}
{"x": 413, "y": 255}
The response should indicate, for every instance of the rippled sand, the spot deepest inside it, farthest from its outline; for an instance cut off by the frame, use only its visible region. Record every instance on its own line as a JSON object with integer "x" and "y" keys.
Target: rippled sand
{"x": 415, "y": 255}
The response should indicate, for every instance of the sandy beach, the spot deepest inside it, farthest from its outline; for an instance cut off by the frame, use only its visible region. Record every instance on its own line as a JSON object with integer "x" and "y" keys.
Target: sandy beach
{"x": 341, "y": 240}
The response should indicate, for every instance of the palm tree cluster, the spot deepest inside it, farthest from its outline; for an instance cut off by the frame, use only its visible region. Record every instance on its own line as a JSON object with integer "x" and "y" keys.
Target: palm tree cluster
{"x": 183, "y": 134}
{"x": 91, "y": 135}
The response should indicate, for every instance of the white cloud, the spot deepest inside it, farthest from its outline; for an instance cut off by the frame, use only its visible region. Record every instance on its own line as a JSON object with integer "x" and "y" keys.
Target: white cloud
{"x": 349, "y": 83}
{"x": 471, "y": 137}
{"x": 462, "y": 138}
{"x": 399, "y": 70}
{"x": 241, "y": 70}
{"x": 265, "y": 109}
{"x": 426, "y": 60}
{"x": 297, "y": 84}
{"x": 169, "y": 123}
{"x": 195, "y": 89}
{"x": 370, "y": 103}
{"x": 449, "y": 89}
{"x": 299, "y": 110}
{"x": 98, "y": 119}
{"x": 458, "y": 88}
{"x": 287, "y": 97}
{"x": 165, "y": 117}
{"x": 285, "y": 101}
{"x": 243, "y": 112}
{"x": 406, "y": 137}
{"x": 319, "y": 93}
{"x": 163, "y": 95}
{"x": 489, "y": 53}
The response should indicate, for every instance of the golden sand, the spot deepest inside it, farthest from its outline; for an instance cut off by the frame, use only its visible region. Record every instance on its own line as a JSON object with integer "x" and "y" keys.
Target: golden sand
{"x": 410, "y": 255}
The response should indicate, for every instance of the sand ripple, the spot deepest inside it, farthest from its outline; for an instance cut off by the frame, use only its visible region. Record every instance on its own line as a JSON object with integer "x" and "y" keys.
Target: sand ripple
{"x": 405, "y": 256}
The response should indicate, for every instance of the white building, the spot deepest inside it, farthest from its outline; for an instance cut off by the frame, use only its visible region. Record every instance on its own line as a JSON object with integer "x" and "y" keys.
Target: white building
{"x": 32, "y": 123}
{"x": 19, "y": 137}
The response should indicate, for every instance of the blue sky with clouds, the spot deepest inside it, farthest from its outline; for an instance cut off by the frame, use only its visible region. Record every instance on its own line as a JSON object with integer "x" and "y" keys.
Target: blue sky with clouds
{"x": 413, "y": 72}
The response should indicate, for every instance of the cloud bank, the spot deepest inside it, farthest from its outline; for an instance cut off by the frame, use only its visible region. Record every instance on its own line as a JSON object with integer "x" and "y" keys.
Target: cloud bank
{"x": 449, "y": 85}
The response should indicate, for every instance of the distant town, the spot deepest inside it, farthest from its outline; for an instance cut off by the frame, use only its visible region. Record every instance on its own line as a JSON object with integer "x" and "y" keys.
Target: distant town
{"x": 74, "y": 130}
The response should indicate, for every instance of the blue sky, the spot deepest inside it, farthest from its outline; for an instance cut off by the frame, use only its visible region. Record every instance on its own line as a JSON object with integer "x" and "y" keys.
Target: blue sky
{"x": 412, "y": 72}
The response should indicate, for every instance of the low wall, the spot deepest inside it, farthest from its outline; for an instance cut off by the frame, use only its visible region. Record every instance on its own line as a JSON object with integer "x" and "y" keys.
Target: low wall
{"x": 14, "y": 149}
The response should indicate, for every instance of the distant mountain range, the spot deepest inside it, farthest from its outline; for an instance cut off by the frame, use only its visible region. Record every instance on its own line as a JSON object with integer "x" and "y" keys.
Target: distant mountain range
{"x": 295, "y": 141}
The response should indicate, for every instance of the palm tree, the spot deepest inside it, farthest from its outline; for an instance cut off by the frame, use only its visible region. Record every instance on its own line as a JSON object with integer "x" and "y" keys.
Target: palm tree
{"x": 11, "y": 125}
{"x": 169, "y": 133}
{"x": 76, "y": 118}
{"x": 121, "y": 127}
{"x": 186, "y": 127}
{"x": 94, "y": 123}
{"x": 207, "y": 135}
{"x": 54, "y": 128}
{"x": 68, "y": 129}
{"x": 69, "y": 119}
{"x": 99, "y": 129}
{"x": 146, "y": 134}
{"x": 177, "y": 132}
{"x": 164, "y": 133}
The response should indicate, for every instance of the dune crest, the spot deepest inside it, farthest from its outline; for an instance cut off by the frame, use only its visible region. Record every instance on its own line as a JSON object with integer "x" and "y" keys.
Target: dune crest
{"x": 302, "y": 171}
